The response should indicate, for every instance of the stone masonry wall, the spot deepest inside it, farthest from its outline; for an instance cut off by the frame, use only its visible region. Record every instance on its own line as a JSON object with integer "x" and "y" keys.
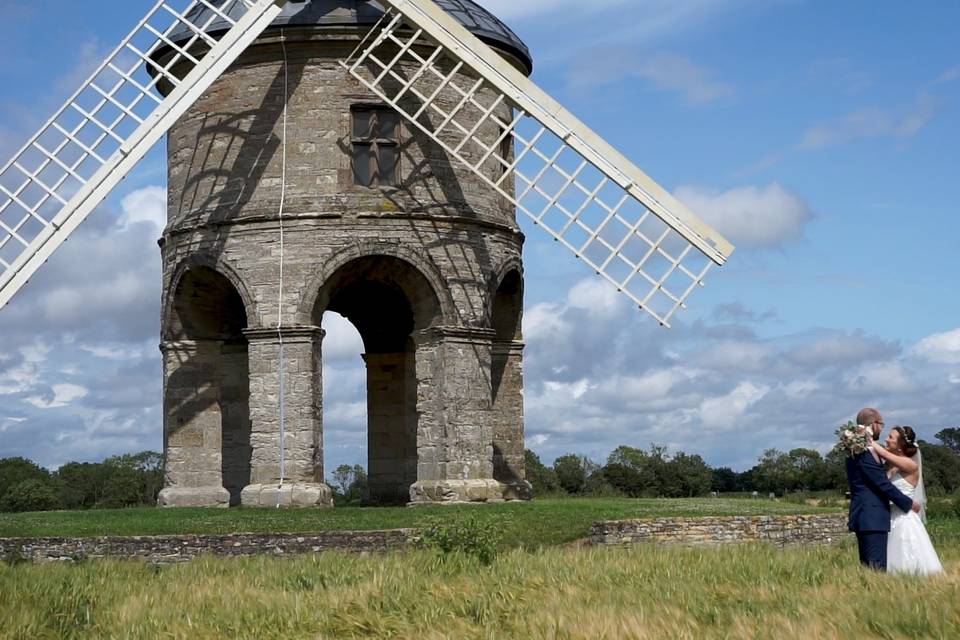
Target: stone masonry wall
{"x": 188, "y": 547}
{"x": 779, "y": 530}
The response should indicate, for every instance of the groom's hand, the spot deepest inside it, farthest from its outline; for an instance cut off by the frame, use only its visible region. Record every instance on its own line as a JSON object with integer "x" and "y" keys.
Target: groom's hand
{"x": 916, "y": 507}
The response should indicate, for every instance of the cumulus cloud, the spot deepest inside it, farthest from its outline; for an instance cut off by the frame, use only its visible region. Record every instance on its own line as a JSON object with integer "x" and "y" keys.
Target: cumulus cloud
{"x": 752, "y": 217}
{"x": 726, "y": 412}
{"x": 940, "y": 347}
{"x": 148, "y": 205}
{"x": 61, "y": 395}
{"x": 621, "y": 382}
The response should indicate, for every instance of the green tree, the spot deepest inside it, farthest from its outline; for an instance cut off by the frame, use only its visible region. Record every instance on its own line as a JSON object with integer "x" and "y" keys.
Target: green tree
{"x": 950, "y": 438}
{"x": 835, "y": 471}
{"x": 775, "y": 473}
{"x": 625, "y": 479}
{"x": 350, "y": 484}
{"x": 941, "y": 468}
{"x": 541, "y": 478}
{"x": 571, "y": 472}
{"x": 689, "y": 476}
{"x": 643, "y": 466}
{"x": 81, "y": 484}
{"x": 32, "y": 494}
{"x": 807, "y": 469}
{"x": 725, "y": 480}
{"x": 13, "y": 471}
{"x": 144, "y": 468}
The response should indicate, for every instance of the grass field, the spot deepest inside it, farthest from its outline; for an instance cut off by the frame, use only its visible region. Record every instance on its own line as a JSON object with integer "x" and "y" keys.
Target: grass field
{"x": 749, "y": 591}
{"x": 537, "y": 523}
{"x": 532, "y": 589}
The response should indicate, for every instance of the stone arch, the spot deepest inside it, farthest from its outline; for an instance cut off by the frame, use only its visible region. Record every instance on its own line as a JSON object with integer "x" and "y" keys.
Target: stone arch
{"x": 506, "y": 380}
{"x": 388, "y": 300}
{"x": 206, "y": 385}
{"x": 318, "y": 285}
{"x": 505, "y": 305}
{"x": 223, "y": 269}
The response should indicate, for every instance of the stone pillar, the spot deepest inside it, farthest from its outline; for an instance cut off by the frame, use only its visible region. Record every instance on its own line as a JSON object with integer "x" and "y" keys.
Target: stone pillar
{"x": 303, "y": 451}
{"x": 507, "y": 419}
{"x": 192, "y": 420}
{"x": 455, "y": 434}
{"x": 235, "y": 412}
{"x": 391, "y": 429}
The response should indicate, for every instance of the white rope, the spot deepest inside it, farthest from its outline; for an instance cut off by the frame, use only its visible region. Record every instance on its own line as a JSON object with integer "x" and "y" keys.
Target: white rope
{"x": 283, "y": 195}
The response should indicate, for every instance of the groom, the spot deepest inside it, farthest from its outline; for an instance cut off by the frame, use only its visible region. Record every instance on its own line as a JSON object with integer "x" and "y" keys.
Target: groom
{"x": 870, "y": 496}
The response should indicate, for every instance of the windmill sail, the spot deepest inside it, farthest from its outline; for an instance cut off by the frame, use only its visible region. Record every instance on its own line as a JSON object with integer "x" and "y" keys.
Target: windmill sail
{"x": 450, "y": 85}
{"x": 73, "y": 162}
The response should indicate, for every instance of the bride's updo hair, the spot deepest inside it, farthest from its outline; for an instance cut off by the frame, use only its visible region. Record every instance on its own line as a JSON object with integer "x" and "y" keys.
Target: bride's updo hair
{"x": 908, "y": 440}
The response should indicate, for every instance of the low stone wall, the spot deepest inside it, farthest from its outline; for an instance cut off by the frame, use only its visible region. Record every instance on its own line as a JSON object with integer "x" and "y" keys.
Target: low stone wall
{"x": 779, "y": 530}
{"x": 187, "y": 547}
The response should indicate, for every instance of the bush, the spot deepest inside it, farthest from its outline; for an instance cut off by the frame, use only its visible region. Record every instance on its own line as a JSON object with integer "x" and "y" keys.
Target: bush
{"x": 29, "y": 495}
{"x": 469, "y": 536}
{"x": 956, "y": 505}
{"x": 942, "y": 508}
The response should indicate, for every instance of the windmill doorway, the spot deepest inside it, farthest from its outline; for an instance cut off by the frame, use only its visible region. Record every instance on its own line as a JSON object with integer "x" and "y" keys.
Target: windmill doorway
{"x": 387, "y": 300}
{"x": 207, "y": 391}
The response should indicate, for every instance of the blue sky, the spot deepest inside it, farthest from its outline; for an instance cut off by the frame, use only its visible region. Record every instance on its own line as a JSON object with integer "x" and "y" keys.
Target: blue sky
{"x": 820, "y": 137}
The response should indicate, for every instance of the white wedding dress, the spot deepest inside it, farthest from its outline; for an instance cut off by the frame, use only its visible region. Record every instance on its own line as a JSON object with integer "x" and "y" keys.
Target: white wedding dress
{"x": 909, "y": 549}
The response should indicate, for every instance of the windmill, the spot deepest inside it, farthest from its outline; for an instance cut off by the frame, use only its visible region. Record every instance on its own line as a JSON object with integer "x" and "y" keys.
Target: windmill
{"x": 460, "y": 99}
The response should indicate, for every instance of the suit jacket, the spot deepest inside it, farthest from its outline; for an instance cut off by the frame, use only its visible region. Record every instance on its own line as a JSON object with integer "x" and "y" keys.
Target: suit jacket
{"x": 871, "y": 493}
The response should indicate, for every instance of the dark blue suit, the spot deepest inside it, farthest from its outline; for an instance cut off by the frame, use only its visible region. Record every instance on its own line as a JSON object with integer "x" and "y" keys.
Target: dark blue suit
{"x": 871, "y": 493}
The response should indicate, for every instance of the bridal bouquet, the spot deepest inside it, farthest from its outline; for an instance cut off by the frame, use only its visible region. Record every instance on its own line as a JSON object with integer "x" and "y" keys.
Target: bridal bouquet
{"x": 853, "y": 439}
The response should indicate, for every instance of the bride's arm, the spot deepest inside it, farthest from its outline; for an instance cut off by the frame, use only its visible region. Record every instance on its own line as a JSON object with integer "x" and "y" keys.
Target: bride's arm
{"x": 903, "y": 463}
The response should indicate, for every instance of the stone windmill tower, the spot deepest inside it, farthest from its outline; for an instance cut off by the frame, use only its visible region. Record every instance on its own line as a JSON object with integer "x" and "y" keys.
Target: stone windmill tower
{"x": 379, "y": 226}
{"x": 359, "y": 158}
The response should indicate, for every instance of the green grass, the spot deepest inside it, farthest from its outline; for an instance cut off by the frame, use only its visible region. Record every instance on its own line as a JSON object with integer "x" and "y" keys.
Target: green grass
{"x": 538, "y": 523}
{"x": 749, "y": 591}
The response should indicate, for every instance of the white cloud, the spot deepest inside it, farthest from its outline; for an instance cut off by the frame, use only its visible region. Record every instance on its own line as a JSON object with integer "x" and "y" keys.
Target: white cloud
{"x": 111, "y": 352}
{"x": 837, "y": 348}
{"x": 881, "y": 377}
{"x": 596, "y": 297}
{"x": 663, "y": 71}
{"x": 511, "y": 9}
{"x": 62, "y": 395}
{"x": 871, "y": 123}
{"x": 752, "y": 217}
{"x": 940, "y": 347}
{"x": 951, "y": 74}
{"x": 342, "y": 341}
{"x": 726, "y": 411}
{"x": 145, "y": 205}
{"x": 799, "y": 389}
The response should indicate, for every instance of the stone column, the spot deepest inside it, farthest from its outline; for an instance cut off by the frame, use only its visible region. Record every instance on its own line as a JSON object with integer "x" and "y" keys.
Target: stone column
{"x": 391, "y": 429}
{"x": 303, "y": 436}
{"x": 192, "y": 422}
{"x": 454, "y": 434}
{"x": 507, "y": 419}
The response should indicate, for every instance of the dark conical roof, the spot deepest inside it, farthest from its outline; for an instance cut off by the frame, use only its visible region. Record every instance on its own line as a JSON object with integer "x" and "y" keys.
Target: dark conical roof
{"x": 336, "y": 13}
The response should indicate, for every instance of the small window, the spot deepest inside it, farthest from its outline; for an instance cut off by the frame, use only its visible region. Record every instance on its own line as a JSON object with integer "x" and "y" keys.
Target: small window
{"x": 376, "y": 147}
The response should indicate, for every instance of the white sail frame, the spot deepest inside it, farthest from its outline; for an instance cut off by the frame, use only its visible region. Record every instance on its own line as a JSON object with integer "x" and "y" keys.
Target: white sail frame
{"x": 73, "y": 162}
{"x": 569, "y": 181}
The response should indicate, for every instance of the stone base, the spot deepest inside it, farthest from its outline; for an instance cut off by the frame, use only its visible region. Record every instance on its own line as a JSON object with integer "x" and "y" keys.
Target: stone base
{"x": 301, "y": 494}
{"x": 456, "y": 491}
{"x": 194, "y": 497}
{"x": 518, "y": 490}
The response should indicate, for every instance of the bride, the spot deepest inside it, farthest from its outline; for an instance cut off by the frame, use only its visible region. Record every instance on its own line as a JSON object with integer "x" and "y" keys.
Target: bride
{"x": 909, "y": 549}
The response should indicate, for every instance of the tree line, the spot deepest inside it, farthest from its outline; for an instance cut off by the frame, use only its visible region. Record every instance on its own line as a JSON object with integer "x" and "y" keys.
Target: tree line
{"x": 120, "y": 481}
{"x": 655, "y": 473}
{"x": 136, "y": 479}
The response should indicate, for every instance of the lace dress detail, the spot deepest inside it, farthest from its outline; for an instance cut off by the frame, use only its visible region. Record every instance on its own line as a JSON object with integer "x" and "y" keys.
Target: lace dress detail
{"x": 909, "y": 549}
